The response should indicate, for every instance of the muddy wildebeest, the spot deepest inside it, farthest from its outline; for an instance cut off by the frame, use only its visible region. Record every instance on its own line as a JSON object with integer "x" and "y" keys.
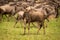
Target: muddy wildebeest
{"x": 38, "y": 16}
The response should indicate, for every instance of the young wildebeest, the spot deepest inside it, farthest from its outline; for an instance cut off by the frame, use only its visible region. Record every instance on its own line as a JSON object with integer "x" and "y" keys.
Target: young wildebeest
{"x": 35, "y": 15}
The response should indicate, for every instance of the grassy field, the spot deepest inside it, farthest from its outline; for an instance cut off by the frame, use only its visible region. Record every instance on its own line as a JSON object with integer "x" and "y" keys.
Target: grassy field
{"x": 8, "y": 32}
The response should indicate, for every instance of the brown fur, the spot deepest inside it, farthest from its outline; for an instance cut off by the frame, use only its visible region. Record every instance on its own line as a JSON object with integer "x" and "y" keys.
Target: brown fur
{"x": 7, "y": 9}
{"x": 35, "y": 16}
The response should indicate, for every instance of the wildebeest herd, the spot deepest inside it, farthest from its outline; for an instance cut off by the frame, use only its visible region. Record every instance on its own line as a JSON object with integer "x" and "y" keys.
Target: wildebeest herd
{"x": 31, "y": 12}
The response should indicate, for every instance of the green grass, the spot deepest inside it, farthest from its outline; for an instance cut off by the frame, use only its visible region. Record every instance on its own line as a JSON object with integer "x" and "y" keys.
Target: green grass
{"x": 8, "y": 32}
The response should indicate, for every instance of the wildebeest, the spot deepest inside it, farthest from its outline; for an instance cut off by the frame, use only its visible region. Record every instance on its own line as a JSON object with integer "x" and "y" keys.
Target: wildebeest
{"x": 35, "y": 15}
{"x": 20, "y": 17}
{"x": 7, "y": 9}
{"x": 29, "y": 15}
{"x": 39, "y": 14}
{"x": 56, "y": 4}
{"x": 52, "y": 9}
{"x": 20, "y": 13}
{"x": 12, "y": 8}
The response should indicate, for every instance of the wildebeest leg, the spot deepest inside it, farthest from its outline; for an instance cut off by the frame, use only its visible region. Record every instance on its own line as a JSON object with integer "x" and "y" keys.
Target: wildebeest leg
{"x": 46, "y": 23}
{"x": 39, "y": 26}
{"x": 28, "y": 27}
{"x": 15, "y": 23}
{"x": 43, "y": 27}
{"x": 33, "y": 24}
{"x": 24, "y": 26}
{"x": 9, "y": 17}
{"x": 5, "y": 16}
{"x": 17, "y": 19}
